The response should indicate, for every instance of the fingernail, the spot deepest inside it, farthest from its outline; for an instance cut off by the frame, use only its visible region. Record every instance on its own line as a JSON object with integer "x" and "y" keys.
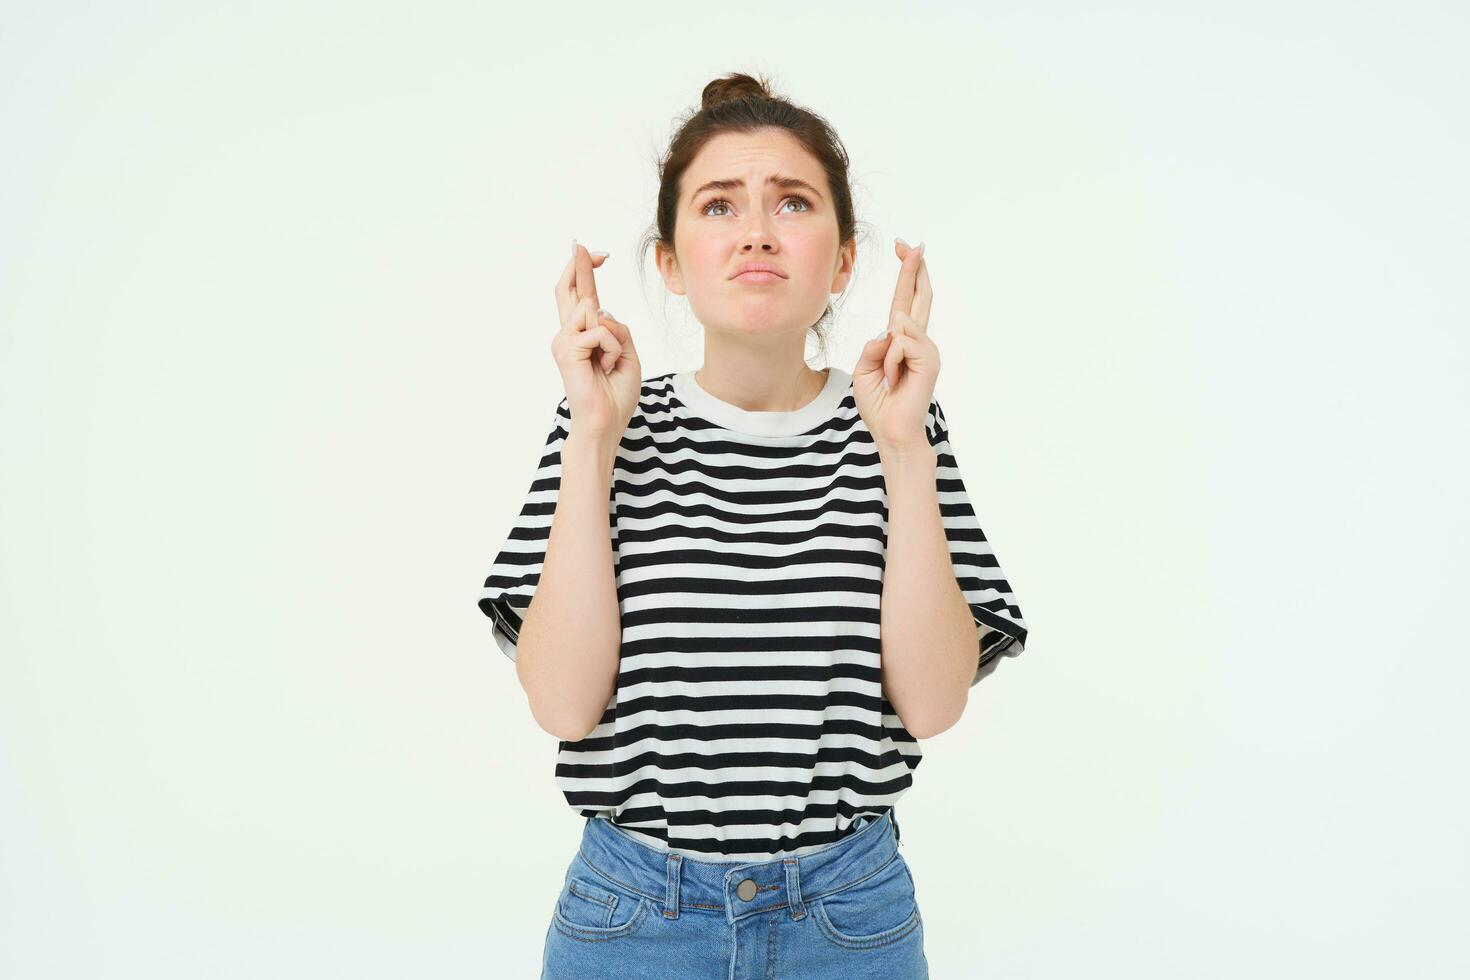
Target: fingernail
{"x": 921, "y": 248}
{"x": 902, "y": 242}
{"x": 881, "y": 334}
{"x": 602, "y": 254}
{"x": 574, "y": 246}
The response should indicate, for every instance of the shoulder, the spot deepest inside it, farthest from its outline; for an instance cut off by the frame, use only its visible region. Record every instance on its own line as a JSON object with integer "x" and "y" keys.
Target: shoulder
{"x": 654, "y": 395}
{"x": 656, "y": 387}
{"x": 653, "y": 398}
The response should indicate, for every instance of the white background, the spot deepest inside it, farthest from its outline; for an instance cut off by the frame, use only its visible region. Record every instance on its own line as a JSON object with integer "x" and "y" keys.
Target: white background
{"x": 275, "y": 305}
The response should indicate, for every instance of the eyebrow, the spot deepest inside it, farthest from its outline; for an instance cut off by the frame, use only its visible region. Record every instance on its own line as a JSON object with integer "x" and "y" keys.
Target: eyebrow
{"x": 730, "y": 184}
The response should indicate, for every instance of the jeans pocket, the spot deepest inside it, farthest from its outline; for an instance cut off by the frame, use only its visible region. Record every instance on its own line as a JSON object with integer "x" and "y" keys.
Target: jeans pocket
{"x": 592, "y": 909}
{"x": 876, "y": 911}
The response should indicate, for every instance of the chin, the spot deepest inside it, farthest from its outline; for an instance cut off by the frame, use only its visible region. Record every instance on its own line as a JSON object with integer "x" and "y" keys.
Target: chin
{"x": 763, "y": 320}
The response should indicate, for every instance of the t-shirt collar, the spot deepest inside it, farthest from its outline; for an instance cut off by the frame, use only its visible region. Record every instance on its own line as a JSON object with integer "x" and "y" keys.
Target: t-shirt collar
{"x": 732, "y": 417}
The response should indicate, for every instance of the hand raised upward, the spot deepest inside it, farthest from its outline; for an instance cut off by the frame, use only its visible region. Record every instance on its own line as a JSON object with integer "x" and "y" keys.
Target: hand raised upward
{"x": 904, "y": 357}
{"x": 594, "y": 353}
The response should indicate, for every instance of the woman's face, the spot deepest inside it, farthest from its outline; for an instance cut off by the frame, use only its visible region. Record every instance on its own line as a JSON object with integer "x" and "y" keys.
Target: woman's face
{"x": 792, "y": 228}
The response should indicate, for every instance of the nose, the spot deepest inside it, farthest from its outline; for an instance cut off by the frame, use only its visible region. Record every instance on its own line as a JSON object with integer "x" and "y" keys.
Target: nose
{"x": 756, "y": 233}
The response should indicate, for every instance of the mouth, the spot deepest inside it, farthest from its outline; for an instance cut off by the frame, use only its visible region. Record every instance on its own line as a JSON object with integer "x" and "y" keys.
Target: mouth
{"x": 757, "y": 277}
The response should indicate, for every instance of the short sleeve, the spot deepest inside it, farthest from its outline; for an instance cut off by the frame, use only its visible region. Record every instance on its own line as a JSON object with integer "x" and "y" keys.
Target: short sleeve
{"x": 507, "y": 592}
{"x": 998, "y": 621}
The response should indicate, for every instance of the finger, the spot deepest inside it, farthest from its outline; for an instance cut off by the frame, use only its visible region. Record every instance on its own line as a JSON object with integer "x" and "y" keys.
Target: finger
{"x": 903, "y": 293}
{"x": 870, "y": 358}
{"x": 566, "y": 285}
{"x": 598, "y": 338}
{"x": 579, "y": 316}
{"x": 586, "y": 285}
{"x": 624, "y": 337}
{"x": 619, "y": 329}
{"x": 923, "y": 297}
{"x": 893, "y": 360}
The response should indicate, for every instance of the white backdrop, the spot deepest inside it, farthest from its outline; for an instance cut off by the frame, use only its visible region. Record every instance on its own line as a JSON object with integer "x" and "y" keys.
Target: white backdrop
{"x": 275, "y": 301}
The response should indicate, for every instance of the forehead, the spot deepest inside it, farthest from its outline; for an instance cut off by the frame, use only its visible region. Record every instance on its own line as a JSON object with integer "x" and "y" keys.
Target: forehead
{"x": 752, "y": 155}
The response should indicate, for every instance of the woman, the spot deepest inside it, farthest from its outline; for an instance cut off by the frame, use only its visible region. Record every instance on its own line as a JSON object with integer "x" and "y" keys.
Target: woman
{"x": 714, "y": 555}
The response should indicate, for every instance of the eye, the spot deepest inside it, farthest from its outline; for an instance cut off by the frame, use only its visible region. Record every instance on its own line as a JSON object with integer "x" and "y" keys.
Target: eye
{"x": 807, "y": 205}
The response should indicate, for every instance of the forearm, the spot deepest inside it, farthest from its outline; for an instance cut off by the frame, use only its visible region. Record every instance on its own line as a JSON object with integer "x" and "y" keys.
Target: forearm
{"x": 567, "y": 652}
{"x": 929, "y": 639}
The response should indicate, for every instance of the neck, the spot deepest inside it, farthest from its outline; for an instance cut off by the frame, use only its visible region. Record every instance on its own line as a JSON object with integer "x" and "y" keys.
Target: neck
{"x": 762, "y": 389}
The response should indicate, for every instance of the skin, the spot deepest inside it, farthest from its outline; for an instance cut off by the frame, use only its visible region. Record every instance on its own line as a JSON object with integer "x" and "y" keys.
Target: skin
{"x": 754, "y": 358}
{"x": 754, "y": 333}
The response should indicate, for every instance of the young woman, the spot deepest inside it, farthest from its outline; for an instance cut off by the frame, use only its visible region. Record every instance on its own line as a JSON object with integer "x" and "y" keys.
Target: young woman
{"x": 715, "y": 556}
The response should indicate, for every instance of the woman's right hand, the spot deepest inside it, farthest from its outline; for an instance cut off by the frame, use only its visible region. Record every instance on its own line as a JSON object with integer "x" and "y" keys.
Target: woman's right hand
{"x": 594, "y": 353}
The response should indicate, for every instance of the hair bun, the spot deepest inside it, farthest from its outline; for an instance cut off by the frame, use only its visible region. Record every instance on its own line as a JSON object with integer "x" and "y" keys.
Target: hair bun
{"x": 736, "y": 85}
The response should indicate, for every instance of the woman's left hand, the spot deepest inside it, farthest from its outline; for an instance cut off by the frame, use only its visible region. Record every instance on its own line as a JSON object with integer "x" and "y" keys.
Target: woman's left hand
{"x": 903, "y": 358}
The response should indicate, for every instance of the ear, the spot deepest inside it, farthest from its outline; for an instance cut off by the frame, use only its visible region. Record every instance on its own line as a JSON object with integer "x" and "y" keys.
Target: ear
{"x": 846, "y": 259}
{"x": 668, "y": 267}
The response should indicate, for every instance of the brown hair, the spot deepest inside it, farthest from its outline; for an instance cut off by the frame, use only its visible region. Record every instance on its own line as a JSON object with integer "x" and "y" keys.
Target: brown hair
{"x": 739, "y": 103}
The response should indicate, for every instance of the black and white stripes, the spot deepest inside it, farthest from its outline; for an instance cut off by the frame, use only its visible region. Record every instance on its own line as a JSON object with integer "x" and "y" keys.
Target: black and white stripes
{"x": 748, "y": 721}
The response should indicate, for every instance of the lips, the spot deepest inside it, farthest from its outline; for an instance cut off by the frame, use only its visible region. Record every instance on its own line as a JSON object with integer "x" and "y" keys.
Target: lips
{"x": 750, "y": 268}
{"x": 757, "y": 276}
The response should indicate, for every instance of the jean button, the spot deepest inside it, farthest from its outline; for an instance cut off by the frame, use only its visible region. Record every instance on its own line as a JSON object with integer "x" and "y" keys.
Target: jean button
{"x": 746, "y": 889}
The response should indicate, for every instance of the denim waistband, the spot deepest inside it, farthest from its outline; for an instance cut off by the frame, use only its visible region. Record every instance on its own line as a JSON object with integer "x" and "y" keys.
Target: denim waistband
{"x": 681, "y": 883}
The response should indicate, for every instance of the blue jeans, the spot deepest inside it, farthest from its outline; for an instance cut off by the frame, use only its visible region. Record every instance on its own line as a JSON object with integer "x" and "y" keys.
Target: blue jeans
{"x": 629, "y": 910}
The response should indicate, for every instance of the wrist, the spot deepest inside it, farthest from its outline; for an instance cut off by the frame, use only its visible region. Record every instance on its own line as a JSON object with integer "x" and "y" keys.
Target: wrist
{"x": 595, "y": 448}
{"x": 915, "y": 452}
{"x": 908, "y": 463}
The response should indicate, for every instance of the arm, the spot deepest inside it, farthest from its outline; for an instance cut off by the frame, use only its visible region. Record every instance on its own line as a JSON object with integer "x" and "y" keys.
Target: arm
{"x": 567, "y": 660}
{"x": 927, "y": 629}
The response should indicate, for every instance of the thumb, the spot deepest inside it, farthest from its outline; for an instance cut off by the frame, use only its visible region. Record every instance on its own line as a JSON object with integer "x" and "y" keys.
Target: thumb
{"x": 625, "y": 338}
{"x": 873, "y": 353}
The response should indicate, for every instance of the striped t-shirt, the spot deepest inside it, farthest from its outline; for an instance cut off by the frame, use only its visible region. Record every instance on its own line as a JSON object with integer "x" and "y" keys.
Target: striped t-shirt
{"x": 748, "y": 721}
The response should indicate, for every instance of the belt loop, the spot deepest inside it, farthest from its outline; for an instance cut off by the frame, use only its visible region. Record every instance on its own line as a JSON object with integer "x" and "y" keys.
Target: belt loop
{"x": 793, "y": 890}
{"x": 671, "y": 898}
{"x": 893, "y": 813}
